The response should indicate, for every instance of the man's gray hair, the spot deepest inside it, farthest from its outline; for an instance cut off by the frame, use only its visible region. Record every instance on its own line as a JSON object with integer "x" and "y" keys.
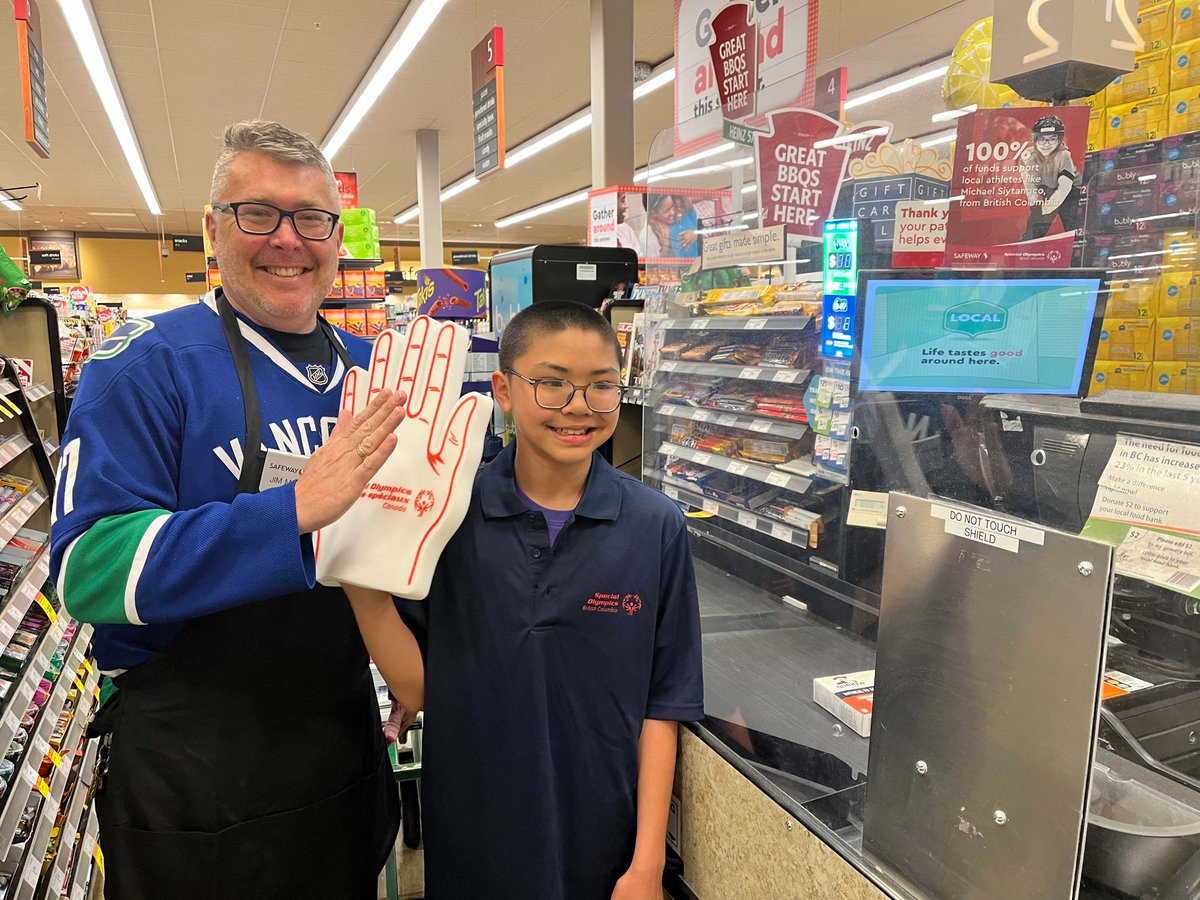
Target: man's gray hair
{"x": 272, "y": 140}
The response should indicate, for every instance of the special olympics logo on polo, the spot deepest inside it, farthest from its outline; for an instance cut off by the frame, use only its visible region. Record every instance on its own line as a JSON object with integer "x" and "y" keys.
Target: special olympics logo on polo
{"x": 631, "y": 603}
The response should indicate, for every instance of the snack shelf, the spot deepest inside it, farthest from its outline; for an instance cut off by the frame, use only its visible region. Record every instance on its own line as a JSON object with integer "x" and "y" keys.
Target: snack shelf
{"x": 759, "y": 424}
{"x": 59, "y": 777}
{"x": 88, "y": 851}
{"x": 20, "y": 513}
{"x": 13, "y": 448}
{"x": 757, "y": 472}
{"x": 25, "y": 778}
{"x": 23, "y": 692}
{"x": 763, "y": 524}
{"x": 50, "y": 447}
{"x": 731, "y": 370}
{"x": 347, "y": 264}
{"x": 16, "y": 604}
{"x": 66, "y": 864}
{"x": 739, "y": 323}
{"x": 38, "y": 392}
{"x": 7, "y": 386}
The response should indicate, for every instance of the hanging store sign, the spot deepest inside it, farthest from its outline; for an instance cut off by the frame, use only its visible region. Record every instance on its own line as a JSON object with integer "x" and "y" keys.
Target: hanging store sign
{"x": 195, "y": 277}
{"x": 347, "y": 185}
{"x": 33, "y": 76}
{"x": 1063, "y": 50}
{"x": 45, "y": 257}
{"x": 801, "y": 163}
{"x": 785, "y": 53}
{"x": 487, "y": 103}
{"x": 734, "y": 53}
{"x": 1016, "y": 195}
{"x": 464, "y": 257}
{"x": 187, "y": 242}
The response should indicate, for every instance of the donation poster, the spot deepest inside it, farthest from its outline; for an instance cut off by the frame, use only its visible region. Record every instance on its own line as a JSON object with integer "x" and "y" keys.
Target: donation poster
{"x": 1018, "y": 178}
{"x": 1148, "y": 505}
{"x": 990, "y": 335}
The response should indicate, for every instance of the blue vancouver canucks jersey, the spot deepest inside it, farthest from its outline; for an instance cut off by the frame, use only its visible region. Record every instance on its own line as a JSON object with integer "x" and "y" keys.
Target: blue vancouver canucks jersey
{"x": 149, "y": 530}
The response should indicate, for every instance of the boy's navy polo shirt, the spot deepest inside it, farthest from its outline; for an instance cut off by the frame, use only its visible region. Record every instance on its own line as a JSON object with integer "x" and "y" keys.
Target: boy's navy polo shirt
{"x": 541, "y": 664}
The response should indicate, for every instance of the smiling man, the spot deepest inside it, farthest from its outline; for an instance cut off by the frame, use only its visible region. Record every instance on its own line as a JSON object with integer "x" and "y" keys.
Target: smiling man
{"x": 242, "y": 754}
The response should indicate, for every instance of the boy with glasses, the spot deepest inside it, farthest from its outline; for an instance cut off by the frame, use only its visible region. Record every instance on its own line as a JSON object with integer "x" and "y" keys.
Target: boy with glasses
{"x": 561, "y": 640}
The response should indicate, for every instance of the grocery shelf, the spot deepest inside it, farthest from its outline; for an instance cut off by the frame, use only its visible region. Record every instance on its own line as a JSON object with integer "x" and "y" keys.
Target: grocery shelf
{"x": 38, "y": 392}
{"x": 73, "y": 822}
{"x": 17, "y": 602}
{"x": 731, "y": 370}
{"x": 744, "y": 517}
{"x": 25, "y": 777}
{"x": 23, "y": 692}
{"x": 50, "y": 447}
{"x": 13, "y": 448}
{"x": 39, "y": 840}
{"x": 757, "y": 472}
{"x": 761, "y": 424}
{"x": 83, "y": 862}
{"x": 346, "y": 264}
{"x": 7, "y": 386}
{"x": 19, "y": 514}
{"x": 739, "y": 323}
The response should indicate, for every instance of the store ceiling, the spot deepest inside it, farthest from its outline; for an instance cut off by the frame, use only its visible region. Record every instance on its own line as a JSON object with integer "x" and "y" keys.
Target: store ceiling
{"x": 188, "y": 69}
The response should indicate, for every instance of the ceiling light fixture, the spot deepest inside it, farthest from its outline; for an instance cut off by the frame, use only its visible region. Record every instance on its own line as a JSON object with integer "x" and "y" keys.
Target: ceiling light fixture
{"x": 416, "y": 21}
{"x": 663, "y": 75}
{"x": 944, "y": 138}
{"x": 898, "y": 86}
{"x": 10, "y": 204}
{"x": 549, "y": 206}
{"x": 81, "y": 20}
{"x": 951, "y": 114}
{"x": 849, "y": 137}
{"x": 658, "y": 169}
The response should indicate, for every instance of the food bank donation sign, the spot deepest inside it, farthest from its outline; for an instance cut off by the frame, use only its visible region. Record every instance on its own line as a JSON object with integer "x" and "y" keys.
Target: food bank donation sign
{"x": 784, "y": 55}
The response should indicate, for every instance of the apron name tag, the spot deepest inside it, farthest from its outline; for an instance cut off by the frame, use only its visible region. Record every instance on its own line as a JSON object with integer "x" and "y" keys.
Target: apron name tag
{"x": 281, "y": 468}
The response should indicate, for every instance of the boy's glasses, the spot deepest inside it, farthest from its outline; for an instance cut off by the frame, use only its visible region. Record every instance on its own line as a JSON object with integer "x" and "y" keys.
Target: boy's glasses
{"x": 557, "y": 393}
{"x": 263, "y": 218}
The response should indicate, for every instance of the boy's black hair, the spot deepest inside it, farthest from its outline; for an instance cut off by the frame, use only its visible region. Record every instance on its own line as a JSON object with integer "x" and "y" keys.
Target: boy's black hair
{"x": 551, "y": 317}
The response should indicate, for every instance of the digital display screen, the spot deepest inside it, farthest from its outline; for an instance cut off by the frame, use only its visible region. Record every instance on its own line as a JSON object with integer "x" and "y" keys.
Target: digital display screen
{"x": 987, "y": 335}
{"x": 837, "y": 327}
{"x": 841, "y": 257}
{"x": 511, "y": 290}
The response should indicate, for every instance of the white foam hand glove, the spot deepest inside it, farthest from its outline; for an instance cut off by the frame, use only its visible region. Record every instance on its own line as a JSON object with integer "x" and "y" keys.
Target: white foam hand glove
{"x": 391, "y": 537}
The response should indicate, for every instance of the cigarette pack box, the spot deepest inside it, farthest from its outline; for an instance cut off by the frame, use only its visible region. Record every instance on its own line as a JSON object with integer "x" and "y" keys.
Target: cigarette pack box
{"x": 376, "y": 320}
{"x": 849, "y": 697}
{"x": 1130, "y": 340}
{"x": 356, "y": 321}
{"x": 1177, "y": 339}
{"x": 376, "y": 285}
{"x": 354, "y": 285}
{"x": 1114, "y": 375}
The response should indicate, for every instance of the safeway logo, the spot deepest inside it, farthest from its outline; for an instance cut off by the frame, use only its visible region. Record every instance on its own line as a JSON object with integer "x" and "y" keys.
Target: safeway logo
{"x": 976, "y": 317}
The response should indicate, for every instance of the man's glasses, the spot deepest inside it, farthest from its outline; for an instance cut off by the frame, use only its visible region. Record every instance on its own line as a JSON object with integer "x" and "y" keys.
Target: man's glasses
{"x": 557, "y": 393}
{"x": 263, "y": 218}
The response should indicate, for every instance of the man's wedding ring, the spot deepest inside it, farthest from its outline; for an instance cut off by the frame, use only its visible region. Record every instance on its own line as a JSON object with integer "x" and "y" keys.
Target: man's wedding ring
{"x": 362, "y": 453}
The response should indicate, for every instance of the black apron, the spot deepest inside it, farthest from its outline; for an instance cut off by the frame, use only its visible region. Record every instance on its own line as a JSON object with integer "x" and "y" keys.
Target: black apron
{"x": 246, "y": 758}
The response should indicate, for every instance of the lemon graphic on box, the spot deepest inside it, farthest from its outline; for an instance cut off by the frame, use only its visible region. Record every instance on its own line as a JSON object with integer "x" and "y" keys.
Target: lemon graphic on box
{"x": 969, "y": 79}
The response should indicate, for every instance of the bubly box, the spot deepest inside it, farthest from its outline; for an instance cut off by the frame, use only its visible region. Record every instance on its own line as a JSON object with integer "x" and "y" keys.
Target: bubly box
{"x": 1097, "y": 128}
{"x": 1187, "y": 22}
{"x": 1179, "y": 293}
{"x": 1095, "y": 101}
{"x": 1175, "y": 378}
{"x": 1185, "y": 65}
{"x": 1181, "y": 147}
{"x": 1151, "y": 77}
{"x": 1123, "y": 209}
{"x": 1108, "y": 375}
{"x": 1132, "y": 123}
{"x": 1177, "y": 339}
{"x": 1135, "y": 298}
{"x": 1156, "y": 25}
{"x": 1129, "y": 340}
{"x": 1184, "y": 114}
{"x": 1125, "y": 255}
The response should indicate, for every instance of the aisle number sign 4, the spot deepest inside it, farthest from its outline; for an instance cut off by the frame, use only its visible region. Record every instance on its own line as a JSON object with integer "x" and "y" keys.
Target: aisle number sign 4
{"x": 1030, "y": 35}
